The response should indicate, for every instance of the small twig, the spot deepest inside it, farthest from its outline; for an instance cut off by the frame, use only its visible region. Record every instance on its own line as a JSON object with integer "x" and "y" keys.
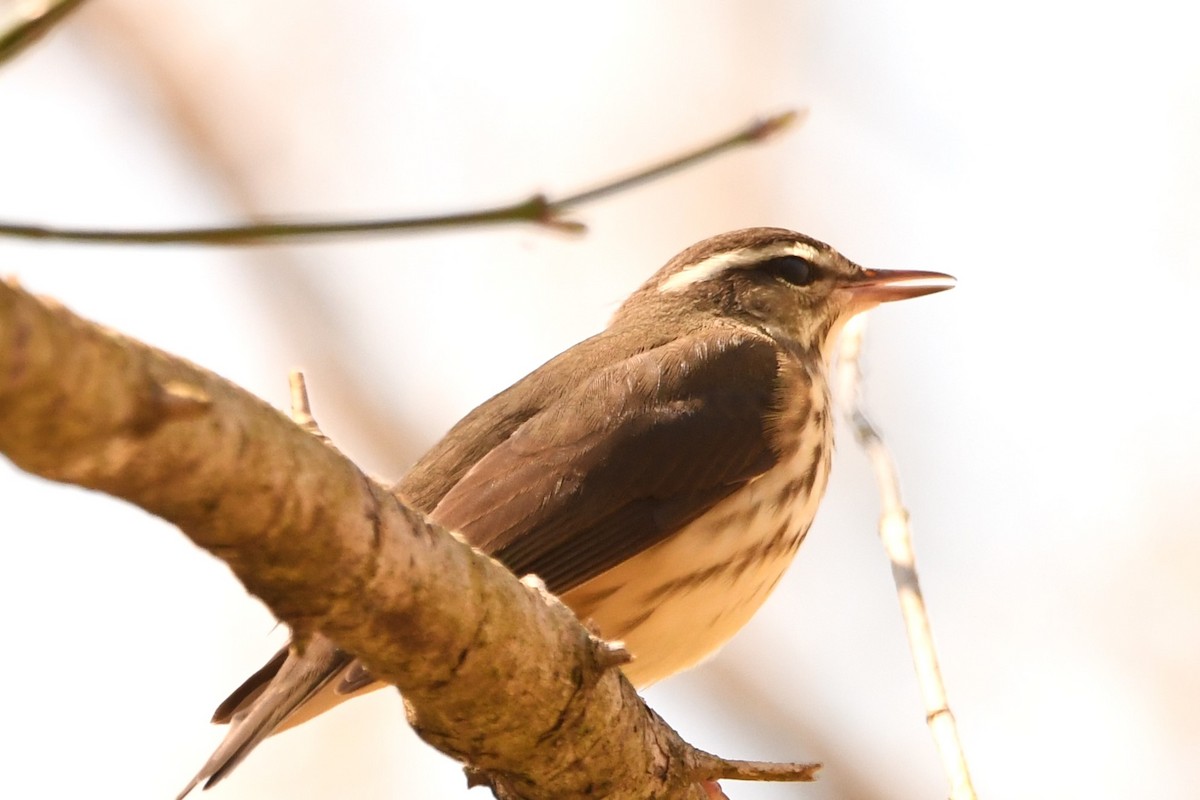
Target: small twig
{"x": 29, "y": 22}
{"x": 537, "y": 209}
{"x": 301, "y": 410}
{"x": 715, "y": 768}
{"x": 608, "y": 655}
{"x": 897, "y": 541}
{"x": 478, "y": 777}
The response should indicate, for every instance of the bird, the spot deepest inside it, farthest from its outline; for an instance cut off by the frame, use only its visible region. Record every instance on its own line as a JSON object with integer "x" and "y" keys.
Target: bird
{"x": 658, "y": 477}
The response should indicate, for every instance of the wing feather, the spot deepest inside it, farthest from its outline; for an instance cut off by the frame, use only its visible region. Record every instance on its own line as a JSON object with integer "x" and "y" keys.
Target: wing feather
{"x": 621, "y": 461}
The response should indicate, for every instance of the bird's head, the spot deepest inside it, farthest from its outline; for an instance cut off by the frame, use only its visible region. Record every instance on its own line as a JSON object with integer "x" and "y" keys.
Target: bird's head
{"x": 794, "y": 288}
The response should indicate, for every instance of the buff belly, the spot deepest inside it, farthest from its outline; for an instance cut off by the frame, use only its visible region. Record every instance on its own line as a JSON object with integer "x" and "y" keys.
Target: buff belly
{"x": 676, "y": 603}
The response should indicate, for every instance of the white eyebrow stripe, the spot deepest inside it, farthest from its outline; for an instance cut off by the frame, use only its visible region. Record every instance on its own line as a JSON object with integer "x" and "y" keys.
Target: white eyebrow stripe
{"x": 735, "y": 259}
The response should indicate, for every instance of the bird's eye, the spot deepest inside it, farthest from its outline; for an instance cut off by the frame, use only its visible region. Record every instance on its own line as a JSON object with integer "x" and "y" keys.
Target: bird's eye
{"x": 793, "y": 269}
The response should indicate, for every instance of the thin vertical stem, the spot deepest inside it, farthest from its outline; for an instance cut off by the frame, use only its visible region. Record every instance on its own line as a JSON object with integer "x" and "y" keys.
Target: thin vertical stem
{"x": 896, "y": 534}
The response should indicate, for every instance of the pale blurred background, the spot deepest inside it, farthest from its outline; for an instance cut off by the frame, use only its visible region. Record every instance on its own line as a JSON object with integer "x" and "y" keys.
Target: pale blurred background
{"x": 1044, "y": 413}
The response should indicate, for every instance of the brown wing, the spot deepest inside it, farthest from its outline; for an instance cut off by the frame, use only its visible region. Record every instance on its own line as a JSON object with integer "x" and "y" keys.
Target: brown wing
{"x": 621, "y": 460}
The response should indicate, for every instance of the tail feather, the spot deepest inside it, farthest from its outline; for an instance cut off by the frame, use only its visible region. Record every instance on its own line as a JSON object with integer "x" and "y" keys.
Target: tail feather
{"x": 251, "y": 689}
{"x": 256, "y": 711}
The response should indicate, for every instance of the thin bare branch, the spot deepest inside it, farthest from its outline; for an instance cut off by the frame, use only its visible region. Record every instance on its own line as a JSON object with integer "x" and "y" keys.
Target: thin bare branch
{"x": 537, "y": 209}
{"x": 29, "y": 22}
{"x": 896, "y": 534}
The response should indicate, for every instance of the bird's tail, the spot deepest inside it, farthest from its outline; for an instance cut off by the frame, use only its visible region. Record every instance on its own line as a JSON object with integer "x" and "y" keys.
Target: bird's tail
{"x": 264, "y": 702}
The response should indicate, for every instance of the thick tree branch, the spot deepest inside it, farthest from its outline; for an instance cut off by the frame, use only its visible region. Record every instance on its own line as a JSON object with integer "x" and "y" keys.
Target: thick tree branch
{"x": 494, "y": 671}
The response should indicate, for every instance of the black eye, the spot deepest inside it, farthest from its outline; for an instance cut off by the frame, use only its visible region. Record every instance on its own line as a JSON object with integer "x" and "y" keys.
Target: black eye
{"x": 793, "y": 269}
